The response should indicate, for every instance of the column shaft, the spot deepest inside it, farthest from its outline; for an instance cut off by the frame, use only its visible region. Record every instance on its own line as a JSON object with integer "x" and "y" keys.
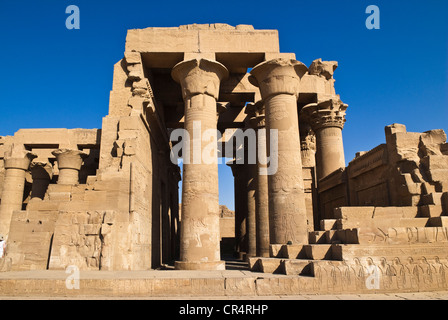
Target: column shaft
{"x": 200, "y": 242}
{"x": 42, "y": 174}
{"x": 288, "y": 220}
{"x": 200, "y": 231}
{"x": 327, "y": 120}
{"x": 279, "y": 83}
{"x": 251, "y": 228}
{"x": 256, "y": 115}
{"x": 240, "y": 185}
{"x": 262, "y": 198}
{"x": 17, "y": 161}
{"x": 12, "y": 197}
{"x": 329, "y": 157}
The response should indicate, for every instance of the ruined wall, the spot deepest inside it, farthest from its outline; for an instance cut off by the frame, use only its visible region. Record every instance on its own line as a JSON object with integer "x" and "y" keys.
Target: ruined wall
{"x": 135, "y": 144}
{"x": 411, "y": 169}
{"x": 122, "y": 213}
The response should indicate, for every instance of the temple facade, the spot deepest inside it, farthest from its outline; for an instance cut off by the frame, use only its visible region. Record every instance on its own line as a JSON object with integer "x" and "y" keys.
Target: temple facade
{"x": 108, "y": 199}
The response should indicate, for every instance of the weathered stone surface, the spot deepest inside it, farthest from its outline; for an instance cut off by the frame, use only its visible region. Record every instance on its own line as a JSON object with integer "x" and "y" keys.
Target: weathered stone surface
{"x": 107, "y": 200}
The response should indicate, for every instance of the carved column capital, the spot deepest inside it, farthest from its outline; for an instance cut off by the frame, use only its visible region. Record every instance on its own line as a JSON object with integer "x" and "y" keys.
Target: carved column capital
{"x": 329, "y": 113}
{"x": 69, "y": 164}
{"x": 279, "y": 83}
{"x": 200, "y": 80}
{"x": 17, "y": 161}
{"x": 261, "y": 115}
{"x": 278, "y": 76}
{"x": 69, "y": 159}
{"x": 324, "y": 69}
{"x": 199, "y": 76}
{"x": 41, "y": 170}
{"x": 42, "y": 173}
{"x": 256, "y": 115}
{"x": 17, "y": 157}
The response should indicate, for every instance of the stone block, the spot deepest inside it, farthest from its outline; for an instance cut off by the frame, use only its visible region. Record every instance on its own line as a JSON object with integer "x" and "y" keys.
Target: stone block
{"x": 383, "y": 223}
{"x": 403, "y": 252}
{"x": 240, "y": 287}
{"x": 271, "y": 265}
{"x": 294, "y": 251}
{"x": 59, "y": 196}
{"x": 77, "y": 196}
{"x": 318, "y": 251}
{"x": 347, "y": 236}
{"x": 331, "y": 235}
{"x": 185, "y": 39}
{"x": 277, "y": 251}
{"x": 282, "y": 286}
{"x": 130, "y": 123}
{"x": 254, "y": 264}
{"x": 394, "y": 128}
{"x": 271, "y": 56}
{"x": 59, "y": 188}
{"x": 430, "y": 211}
{"x": 318, "y": 237}
{"x": 395, "y": 212}
{"x": 417, "y": 235}
{"x": 435, "y": 163}
{"x": 432, "y": 199}
{"x": 297, "y": 267}
{"x": 92, "y": 197}
{"x": 73, "y": 205}
{"x": 133, "y": 57}
{"x": 327, "y": 224}
{"x": 128, "y": 134}
{"x": 354, "y": 213}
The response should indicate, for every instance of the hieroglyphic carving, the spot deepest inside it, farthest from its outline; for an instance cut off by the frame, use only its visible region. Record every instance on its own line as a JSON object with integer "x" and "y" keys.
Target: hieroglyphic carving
{"x": 389, "y": 274}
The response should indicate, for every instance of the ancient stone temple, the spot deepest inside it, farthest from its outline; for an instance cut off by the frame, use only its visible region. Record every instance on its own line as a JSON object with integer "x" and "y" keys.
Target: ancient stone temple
{"x": 108, "y": 199}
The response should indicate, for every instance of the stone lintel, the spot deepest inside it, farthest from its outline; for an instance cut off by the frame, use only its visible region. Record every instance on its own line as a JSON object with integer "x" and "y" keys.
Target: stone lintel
{"x": 202, "y": 38}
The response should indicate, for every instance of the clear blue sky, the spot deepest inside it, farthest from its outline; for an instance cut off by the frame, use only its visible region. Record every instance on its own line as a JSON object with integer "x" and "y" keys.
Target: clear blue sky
{"x": 54, "y": 77}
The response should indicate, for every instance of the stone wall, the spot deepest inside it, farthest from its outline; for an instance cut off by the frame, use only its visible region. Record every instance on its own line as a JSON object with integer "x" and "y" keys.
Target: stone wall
{"x": 227, "y": 222}
{"x": 411, "y": 169}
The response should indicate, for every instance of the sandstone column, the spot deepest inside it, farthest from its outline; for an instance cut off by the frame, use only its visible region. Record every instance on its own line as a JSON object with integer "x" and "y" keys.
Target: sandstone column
{"x": 251, "y": 223}
{"x": 327, "y": 120}
{"x": 69, "y": 164}
{"x": 42, "y": 173}
{"x": 256, "y": 112}
{"x": 17, "y": 161}
{"x": 200, "y": 239}
{"x": 239, "y": 174}
{"x": 262, "y": 194}
{"x": 279, "y": 82}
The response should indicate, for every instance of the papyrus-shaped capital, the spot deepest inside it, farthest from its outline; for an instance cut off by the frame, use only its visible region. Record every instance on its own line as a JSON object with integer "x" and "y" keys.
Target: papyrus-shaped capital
{"x": 199, "y": 76}
{"x": 278, "y": 76}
